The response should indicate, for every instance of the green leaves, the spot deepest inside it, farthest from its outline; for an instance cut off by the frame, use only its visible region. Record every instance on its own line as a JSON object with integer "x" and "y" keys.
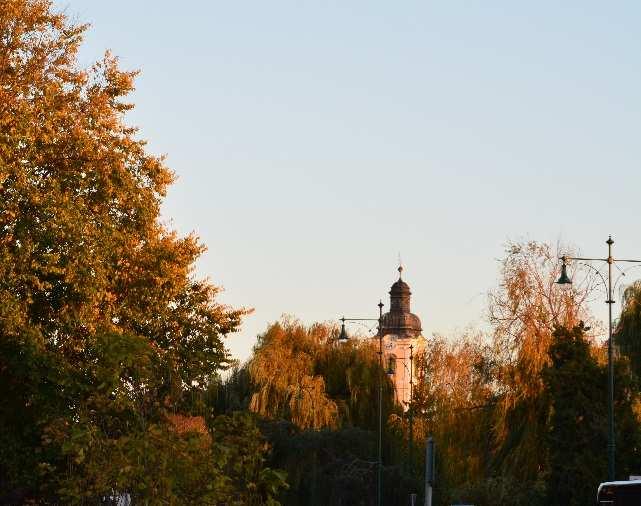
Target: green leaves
{"x": 576, "y": 387}
{"x": 628, "y": 331}
{"x": 104, "y": 331}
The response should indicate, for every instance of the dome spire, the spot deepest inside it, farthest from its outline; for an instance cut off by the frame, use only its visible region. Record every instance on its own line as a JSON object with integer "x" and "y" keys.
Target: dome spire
{"x": 400, "y": 320}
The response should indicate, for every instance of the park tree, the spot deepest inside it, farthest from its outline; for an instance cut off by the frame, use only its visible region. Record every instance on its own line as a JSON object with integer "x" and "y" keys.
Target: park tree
{"x": 302, "y": 374}
{"x": 576, "y": 436}
{"x": 523, "y": 311}
{"x": 628, "y": 330}
{"x": 318, "y": 399}
{"x": 454, "y": 401}
{"x": 576, "y": 390}
{"x": 105, "y": 333}
{"x": 283, "y": 370}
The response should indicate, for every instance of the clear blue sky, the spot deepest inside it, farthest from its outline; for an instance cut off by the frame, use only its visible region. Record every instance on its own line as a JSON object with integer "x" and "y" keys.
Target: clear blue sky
{"x": 314, "y": 141}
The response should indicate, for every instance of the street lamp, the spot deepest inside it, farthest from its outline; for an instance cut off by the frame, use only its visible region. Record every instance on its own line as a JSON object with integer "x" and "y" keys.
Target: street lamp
{"x": 343, "y": 338}
{"x": 564, "y": 280}
{"x": 411, "y": 409}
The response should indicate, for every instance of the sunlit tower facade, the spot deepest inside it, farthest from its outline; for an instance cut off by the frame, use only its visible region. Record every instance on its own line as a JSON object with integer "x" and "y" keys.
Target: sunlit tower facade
{"x": 402, "y": 336}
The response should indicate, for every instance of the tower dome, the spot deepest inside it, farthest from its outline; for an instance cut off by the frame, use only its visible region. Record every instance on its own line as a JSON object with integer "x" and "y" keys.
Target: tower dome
{"x": 400, "y": 321}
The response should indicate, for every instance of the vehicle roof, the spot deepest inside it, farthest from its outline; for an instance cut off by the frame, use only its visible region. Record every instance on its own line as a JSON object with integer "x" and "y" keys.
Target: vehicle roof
{"x": 624, "y": 483}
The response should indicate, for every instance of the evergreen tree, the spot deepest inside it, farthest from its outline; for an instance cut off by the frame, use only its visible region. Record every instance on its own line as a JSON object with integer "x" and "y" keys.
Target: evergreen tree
{"x": 575, "y": 385}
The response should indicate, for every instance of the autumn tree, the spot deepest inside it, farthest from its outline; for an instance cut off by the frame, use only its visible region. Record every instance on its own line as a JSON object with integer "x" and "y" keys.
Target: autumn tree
{"x": 523, "y": 312}
{"x": 104, "y": 330}
{"x": 454, "y": 401}
{"x": 318, "y": 399}
{"x": 283, "y": 371}
{"x": 302, "y": 374}
{"x": 628, "y": 331}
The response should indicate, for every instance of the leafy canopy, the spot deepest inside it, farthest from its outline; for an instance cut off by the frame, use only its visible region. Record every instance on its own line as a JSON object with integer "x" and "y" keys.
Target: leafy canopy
{"x": 105, "y": 333}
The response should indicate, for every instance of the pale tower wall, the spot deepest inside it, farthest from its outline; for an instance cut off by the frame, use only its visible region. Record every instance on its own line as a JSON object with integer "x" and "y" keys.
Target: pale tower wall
{"x": 401, "y": 329}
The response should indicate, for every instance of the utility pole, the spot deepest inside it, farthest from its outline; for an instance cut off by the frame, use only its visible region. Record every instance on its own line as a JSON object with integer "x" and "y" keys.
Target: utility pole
{"x": 609, "y": 302}
{"x": 380, "y": 406}
{"x": 343, "y": 337}
{"x": 429, "y": 470}
{"x": 411, "y": 411}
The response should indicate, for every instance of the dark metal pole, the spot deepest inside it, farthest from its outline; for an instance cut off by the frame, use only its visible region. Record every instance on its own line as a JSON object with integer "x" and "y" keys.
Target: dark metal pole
{"x": 411, "y": 435}
{"x": 429, "y": 470}
{"x": 380, "y": 405}
{"x": 611, "y": 443}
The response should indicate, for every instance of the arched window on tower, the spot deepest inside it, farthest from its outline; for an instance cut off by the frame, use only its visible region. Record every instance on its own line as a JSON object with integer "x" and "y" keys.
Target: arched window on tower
{"x": 391, "y": 365}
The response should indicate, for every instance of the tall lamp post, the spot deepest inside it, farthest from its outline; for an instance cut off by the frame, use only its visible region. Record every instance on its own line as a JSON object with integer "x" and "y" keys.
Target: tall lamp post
{"x": 564, "y": 279}
{"x": 411, "y": 409}
{"x": 342, "y": 338}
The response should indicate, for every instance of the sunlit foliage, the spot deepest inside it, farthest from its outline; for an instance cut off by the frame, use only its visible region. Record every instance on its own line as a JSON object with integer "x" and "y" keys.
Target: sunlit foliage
{"x": 453, "y": 402}
{"x": 304, "y": 375}
{"x": 104, "y": 331}
{"x": 319, "y": 400}
{"x": 523, "y": 312}
{"x": 283, "y": 370}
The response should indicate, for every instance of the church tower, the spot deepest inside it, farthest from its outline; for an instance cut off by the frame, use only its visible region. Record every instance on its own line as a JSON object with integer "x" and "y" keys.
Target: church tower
{"x": 402, "y": 340}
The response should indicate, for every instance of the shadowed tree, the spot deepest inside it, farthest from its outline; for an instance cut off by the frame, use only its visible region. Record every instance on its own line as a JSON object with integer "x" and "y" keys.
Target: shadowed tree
{"x": 575, "y": 386}
{"x": 319, "y": 400}
{"x": 628, "y": 331}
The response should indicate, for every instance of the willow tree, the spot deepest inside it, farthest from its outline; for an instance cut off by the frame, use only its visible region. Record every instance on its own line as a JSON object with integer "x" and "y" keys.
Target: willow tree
{"x": 103, "y": 327}
{"x": 523, "y": 312}
{"x": 282, "y": 369}
{"x": 304, "y": 380}
{"x": 302, "y": 374}
{"x": 628, "y": 331}
{"x": 453, "y": 402}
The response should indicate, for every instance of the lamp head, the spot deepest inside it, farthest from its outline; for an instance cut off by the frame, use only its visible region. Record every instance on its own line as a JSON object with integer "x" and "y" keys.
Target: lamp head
{"x": 564, "y": 280}
{"x": 391, "y": 366}
{"x": 342, "y": 338}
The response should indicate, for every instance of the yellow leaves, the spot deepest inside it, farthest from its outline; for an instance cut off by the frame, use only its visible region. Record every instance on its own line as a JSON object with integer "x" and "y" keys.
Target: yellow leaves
{"x": 185, "y": 424}
{"x": 636, "y": 409}
{"x": 282, "y": 369}
{"x": 91, "y": 283}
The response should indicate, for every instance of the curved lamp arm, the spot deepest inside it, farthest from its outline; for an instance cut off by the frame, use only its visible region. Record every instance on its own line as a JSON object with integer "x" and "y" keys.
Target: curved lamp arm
{"x": 565, "y": 280}
{"x": 622, "y": 275}
{"x": 605, "y": 284}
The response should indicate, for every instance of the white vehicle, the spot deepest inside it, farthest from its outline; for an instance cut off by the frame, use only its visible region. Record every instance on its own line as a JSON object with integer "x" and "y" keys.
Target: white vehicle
{"x": 619, "y": 493}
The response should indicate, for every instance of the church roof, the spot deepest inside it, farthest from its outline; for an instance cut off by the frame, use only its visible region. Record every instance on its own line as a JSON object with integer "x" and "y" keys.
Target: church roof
{"x": 399, "y": 320}
{"x": 401, "y": 324}
{"x": 400, "y": 287}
